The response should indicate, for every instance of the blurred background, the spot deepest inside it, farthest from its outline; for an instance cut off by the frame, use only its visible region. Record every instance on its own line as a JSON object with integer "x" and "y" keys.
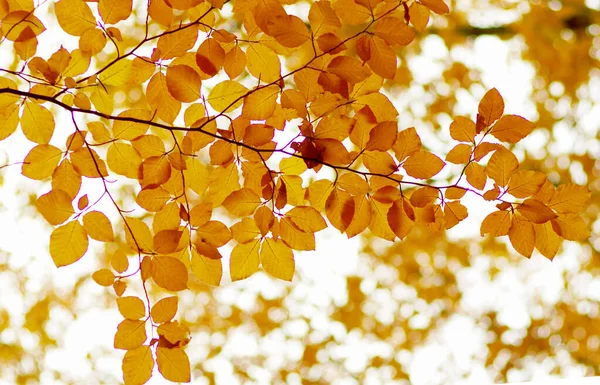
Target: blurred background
{"x": 451, "y": 309}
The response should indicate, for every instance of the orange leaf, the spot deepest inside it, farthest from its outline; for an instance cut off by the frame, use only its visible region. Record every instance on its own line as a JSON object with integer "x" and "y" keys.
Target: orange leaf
{"x": 491, "y": 107}
{"x": 164, "y": 310}
{"x": 361, "y": 218}
{"x": 383, "y": 136}
{"x": 569, "y": 198}
{"x": 137, "y": 365}
{"x": 183, "y": 83}
{"x": 437, "y": 6}
{"x": 512, "y": 128}
{"x": 294, "y": 237}
{"x": 340, "y": 209}
{"x": 401, "y": 218}
{"x": 571, "y": 227}
{"x": 132, "y": 308}
{"x": 525, "y": 183}
{"x": 535, "y": 211}
{"x": 242, "y": 202}
{"x": 497, "y": 224}
{"x": 501, "y": 166}
{"x": 169, "y": 273}
{"x": 463, "y": 129}
{"x": 55, "y": 206}
{"x": 98, "y": 226}
{"x": 454, "y": 212}
{"x": 260, "y": 103}
{"x": 460, "y": 154}
{"x": 130, "y": 334}
{"x": 173, "y": 364}
{"x": 379, "y": 224}
{"x": 214, "y": 233}
{"x": 546, "y": 240}
{"x": 423, "y": 165}
{"x": 407, "y": 143}
{"x": 423, "y": 196}
{"x": 476, "y": 176}
{"x": 113, "y": 11}
{"x": 522, "y": 236}
{"x": 394, "y": 31}
{"x": 41, "y": 161}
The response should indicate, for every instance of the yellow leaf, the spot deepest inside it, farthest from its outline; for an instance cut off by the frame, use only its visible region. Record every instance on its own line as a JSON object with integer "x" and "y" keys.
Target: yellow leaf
{"x": 546, "y": 240}
{"x": 340, "y": 209}
{"x": 56, "y": 206}
{"x": 183, "y": 83}
{"x": 226, "y": 96}
{"x": 571, "y": 227}
{"x": 41, "y": 161}
{"x": 512, "y": 128}
{"x": 223, "y": 181}
{"x": 174, "y": 332}
{"x": 154, "y": 171}
{"x": 160, "y": 100}
{"x": 501, "y": 166}
{"x": 98, "y": 226}
{"x": 74, "y": 16}
{"x": 176, "y": 43}
{"x": 454, "y": 212}
{"x": 569, "y": 198}
{"x": 242, "y": 202}
{"x": 153, "y": 199}
{"x": 196, "y": 176}
{"x": 132, "y": 308}
{"x": 476, "y": 175}
{"x": 490, "y": 107}
{"x": 244, "y": 260}
{"x": 113, "y": 11}
{"x": 103, "y": 277}
{"x": 423, "y": 196}
{"x": 68, "y": 243}
{"x": 200, "y": 214}
{"x": 167, "y": 241}
{"x": 292, "y": 166}
{"x": 130, "y": 334}
{"x": 245, "y": 230}
{"x": 119, "y": 261}
{"x": 207, "y": 270}
{"x": 18, "y": 22}
{"x": 323, "y": 18}
{"x": 349, "y": 69}
{"x": 214, "y": 233}
{"x": 423, "y": 165}
{"x": 460, "y": 154}
{"x": 260, "y": 103}
{"x": 263, "y": 63}
{"x": 128, "y": 128}
{"x": 169, "y": 273}
{"x": 235, "y": 62}
{"x": 138, "y": 235}
{"x": 119, "y": 287}
{"x": 92, "y": 42}
{"x": 117, "y": 74}
{"x": 353, "y": 184}
{"x": 294, "y": 237}
{"x": 173, "y": 364}
{"x": 164, "y": 310}
{"x": 379, "y": 220}
{"x": 522, "y": 235}
{"x": 37, "y": 123}
{"x": 419, "y": 16}
{"x": 137, "y": 366}
{"x": 361, "y": 218}
{"x": 9, "y": 120}
{"x": 306, "y": 219}
{"x": 535, "y": 211}
{"x": 525, "y": 183}
{"x": 401, "y": 218}
{"x": 87, "y": 163}
{"x": 318, "y": 192}
{"x": 277, "y": 259}
{"x": 123, "y": 159}
{"x": 455, "y": 193}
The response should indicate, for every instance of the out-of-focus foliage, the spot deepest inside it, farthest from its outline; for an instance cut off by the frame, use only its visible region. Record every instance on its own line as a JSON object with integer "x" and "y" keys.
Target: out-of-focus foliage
{"x": 169, "y": 137}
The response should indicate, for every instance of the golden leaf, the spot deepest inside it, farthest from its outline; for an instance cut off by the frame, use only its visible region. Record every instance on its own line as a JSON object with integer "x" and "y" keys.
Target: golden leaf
{"x": 277, "y": 259}
{"x": 130, "y": 334}
{"x": 173, "y": 364}
{"x": 68, "y": 243}
{"x": 164, "y": 310}
{"x": 137, "y": 365}
{"x": 132, "y": 308}
{"x": 169, "y": 273}
{"x": 244, "y": 260}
